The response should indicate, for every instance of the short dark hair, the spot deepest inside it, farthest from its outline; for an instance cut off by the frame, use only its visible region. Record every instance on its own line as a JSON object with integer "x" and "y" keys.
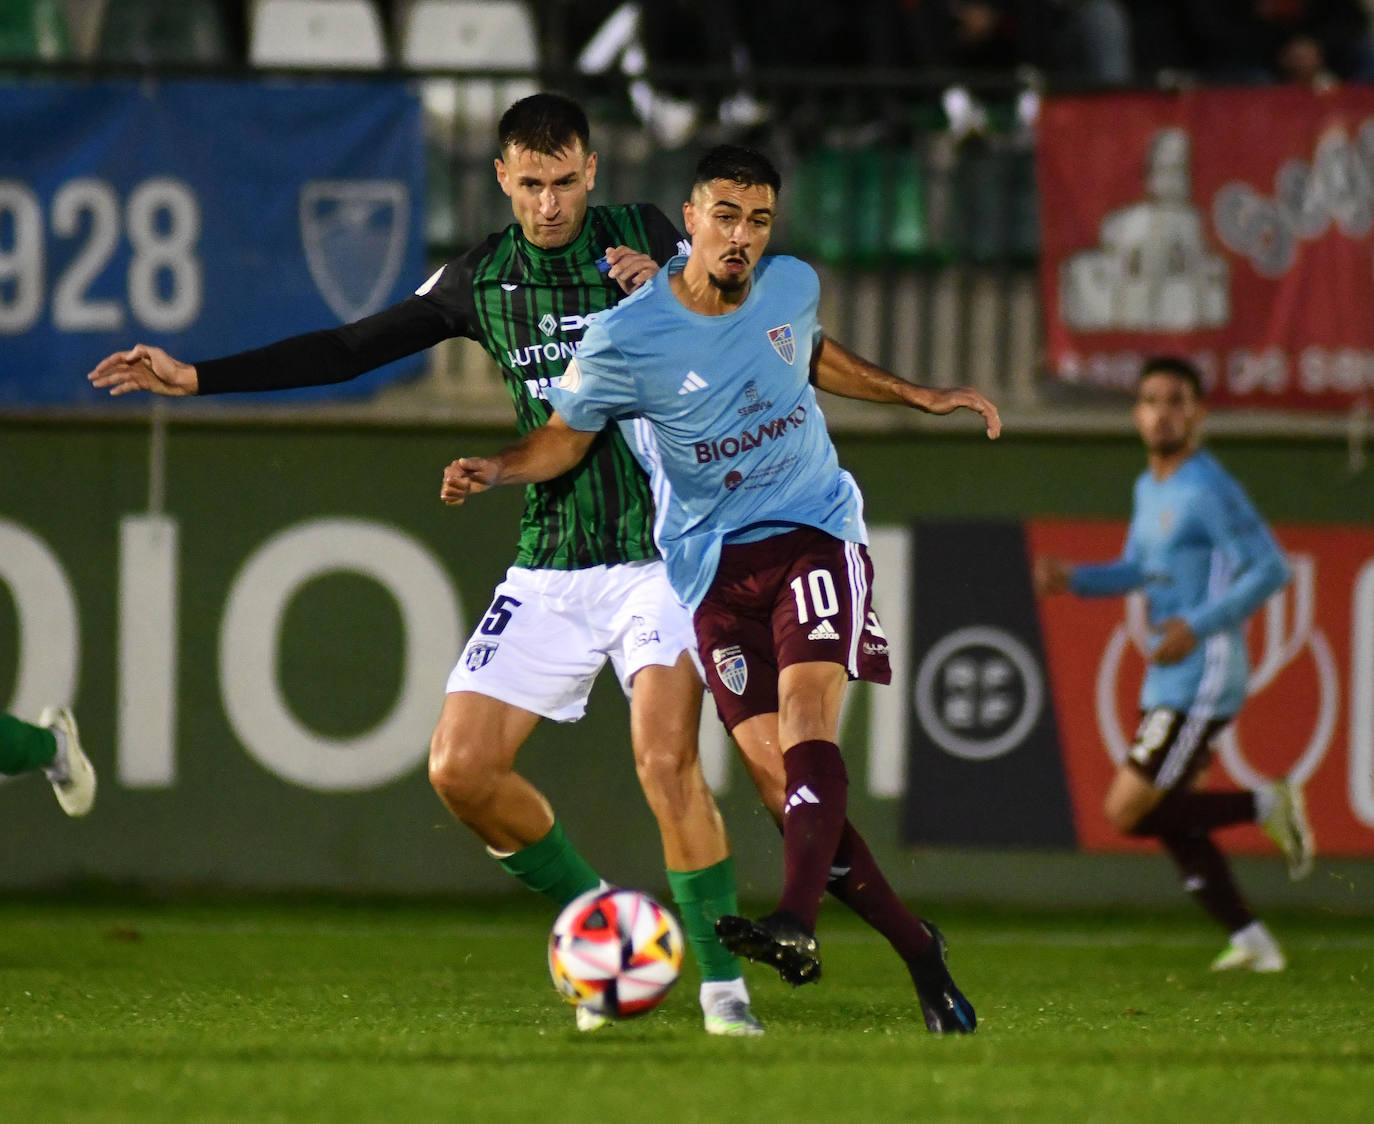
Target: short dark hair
{"x": 1173, "y": 365}
{"x": 737, "y": 164}
{"x": 546, "y": 122}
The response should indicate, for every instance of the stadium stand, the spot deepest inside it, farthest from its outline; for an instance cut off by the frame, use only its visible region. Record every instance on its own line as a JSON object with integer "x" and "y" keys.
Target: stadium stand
{"x": 480, "y": 35}
{"x": 867, "y": 205}
{"x": 342, "y": 34}
{"x": 152, "y": 31}
{"x": 464, "y": 35}
{"x": 33, "y": 29}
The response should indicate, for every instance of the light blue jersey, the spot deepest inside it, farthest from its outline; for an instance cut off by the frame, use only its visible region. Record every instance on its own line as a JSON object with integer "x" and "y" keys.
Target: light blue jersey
{"x": 720, "y": 412}
{"x": 1201, "y": 552}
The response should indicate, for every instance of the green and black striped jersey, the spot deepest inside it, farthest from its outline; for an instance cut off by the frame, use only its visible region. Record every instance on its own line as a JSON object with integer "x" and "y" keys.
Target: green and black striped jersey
{"x": 528, "y": 308}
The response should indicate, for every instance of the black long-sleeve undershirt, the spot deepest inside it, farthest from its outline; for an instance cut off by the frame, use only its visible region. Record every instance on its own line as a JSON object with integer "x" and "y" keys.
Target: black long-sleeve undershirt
{"x": 332, "y": 355}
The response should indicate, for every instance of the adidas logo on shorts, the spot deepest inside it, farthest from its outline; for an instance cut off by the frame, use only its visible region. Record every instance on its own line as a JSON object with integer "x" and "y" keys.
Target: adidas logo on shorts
{"x": 823, "y": 631}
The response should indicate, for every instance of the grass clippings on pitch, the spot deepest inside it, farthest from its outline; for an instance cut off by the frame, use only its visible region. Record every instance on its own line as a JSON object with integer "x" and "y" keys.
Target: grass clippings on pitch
{"x": 276, "y": 1011}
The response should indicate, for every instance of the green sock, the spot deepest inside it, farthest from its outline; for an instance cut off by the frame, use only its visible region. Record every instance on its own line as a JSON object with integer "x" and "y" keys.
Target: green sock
{"x": 552, "y": 867}
{"x": 702, "y": 896}
{"x": 24, "y": 747}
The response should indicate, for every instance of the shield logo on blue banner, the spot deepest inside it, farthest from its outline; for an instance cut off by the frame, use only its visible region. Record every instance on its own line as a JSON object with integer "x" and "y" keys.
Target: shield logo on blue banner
{"x": 731, "y": 668}
{"x": 479, "y": 655}
{"x": 783, "y": 343}
{"x": 354, "y": 233}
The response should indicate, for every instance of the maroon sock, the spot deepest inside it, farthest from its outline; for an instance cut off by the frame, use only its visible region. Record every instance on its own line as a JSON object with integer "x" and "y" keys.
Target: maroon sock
{"x": 1207, "y": 877}
{"x": 1182, "y": 812}
{"x": 813, "y": 818}
{"x": 857, "y": 880}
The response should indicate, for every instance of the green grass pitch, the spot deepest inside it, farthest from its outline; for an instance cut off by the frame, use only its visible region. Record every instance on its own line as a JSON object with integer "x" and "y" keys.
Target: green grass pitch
{"x": 339, "y": 1011}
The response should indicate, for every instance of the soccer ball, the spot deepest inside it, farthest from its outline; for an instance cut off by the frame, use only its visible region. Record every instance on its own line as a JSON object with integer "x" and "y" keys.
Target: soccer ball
{"x": 615, "y": 952}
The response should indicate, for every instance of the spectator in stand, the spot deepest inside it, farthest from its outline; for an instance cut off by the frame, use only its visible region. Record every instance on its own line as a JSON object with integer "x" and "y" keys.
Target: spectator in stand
{"x": 1255, "y": 41}
{"x": 1085, "y": 40}
{"x": 702, "y": 36}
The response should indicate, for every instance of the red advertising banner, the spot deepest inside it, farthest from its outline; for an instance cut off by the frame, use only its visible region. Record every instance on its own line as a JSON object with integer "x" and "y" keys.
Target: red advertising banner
{"x": 1311, "y": 706}
{"x": 1232, "y": 226}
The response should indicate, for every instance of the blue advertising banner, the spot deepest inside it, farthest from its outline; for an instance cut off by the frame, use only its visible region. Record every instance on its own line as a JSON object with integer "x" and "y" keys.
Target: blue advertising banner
{"x": 202, "y": 216}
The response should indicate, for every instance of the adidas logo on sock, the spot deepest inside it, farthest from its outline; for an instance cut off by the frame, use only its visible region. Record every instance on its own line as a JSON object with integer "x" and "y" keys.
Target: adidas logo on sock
{"x": 803, "y": 795}
{"x": 823, "y": 631}
{"x": 692, "y": 382}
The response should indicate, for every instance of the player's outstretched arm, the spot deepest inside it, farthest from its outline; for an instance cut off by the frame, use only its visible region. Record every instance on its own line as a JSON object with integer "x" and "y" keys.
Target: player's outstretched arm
{"x": 836, "y": 369}
{"x": 145, "y": 368}
{"x": 543, "y": 453}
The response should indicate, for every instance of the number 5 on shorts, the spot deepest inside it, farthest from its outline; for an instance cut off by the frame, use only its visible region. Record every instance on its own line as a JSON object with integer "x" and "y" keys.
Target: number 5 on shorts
{"x": 498, "y": 616}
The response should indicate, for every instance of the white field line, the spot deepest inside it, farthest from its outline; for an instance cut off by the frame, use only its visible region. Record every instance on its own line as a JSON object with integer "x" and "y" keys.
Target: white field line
{"x": 458, "y": 931}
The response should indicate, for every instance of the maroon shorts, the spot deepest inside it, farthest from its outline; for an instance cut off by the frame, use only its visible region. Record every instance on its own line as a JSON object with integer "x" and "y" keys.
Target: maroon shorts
{"x": 797, "y": 597}
{"x": 1172, "y": 747}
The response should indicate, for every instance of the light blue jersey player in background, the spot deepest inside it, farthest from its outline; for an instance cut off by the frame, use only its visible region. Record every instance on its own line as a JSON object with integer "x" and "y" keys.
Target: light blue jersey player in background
{"x": 710, "y": 370}
{"x": 1206, "y": 561}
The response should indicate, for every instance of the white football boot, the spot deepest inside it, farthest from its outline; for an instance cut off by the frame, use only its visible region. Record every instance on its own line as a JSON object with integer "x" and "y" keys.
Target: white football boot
{"x": 588, "y": 1020}
{"x": 71, "y": 774}
{"x": 725, "y": 1010}
{"x": 1285, "y": 822}
{"x": 1251, "y": 949}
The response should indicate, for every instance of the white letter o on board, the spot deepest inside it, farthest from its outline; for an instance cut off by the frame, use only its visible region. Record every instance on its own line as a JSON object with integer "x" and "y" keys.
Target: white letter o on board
{"x": 49, "y": 647}
{"x": 253, "y": 700}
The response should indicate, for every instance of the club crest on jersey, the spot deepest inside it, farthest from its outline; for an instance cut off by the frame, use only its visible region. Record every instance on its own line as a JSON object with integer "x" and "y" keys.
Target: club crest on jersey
{"x": 783, "y": 343}
{"x": 731, "y": 668}
{"x": 354, "y": 234}
{"x": 479, "y": 655}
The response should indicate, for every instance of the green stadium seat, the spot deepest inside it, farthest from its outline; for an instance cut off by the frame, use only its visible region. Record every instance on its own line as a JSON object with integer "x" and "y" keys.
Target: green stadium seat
{"x": 153, "y": 31}
{"x": 862, "y": 206}
{"x": 995, "y": 216}
{"x": 33, "y": 29}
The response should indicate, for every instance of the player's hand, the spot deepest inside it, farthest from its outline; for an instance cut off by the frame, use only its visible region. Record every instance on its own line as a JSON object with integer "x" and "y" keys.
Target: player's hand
{"x": 966, "y": 398}
{"x": 629, "y": 268}
{"x": 145, "y": 368}
{"x": 466, "y": 477}
{"x": 1051, "y": 575}
{"x": 1176, "y": 640}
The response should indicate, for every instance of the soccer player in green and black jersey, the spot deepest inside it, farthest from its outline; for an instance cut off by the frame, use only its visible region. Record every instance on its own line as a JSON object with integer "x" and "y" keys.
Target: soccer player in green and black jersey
{"x": 587, "y": 583}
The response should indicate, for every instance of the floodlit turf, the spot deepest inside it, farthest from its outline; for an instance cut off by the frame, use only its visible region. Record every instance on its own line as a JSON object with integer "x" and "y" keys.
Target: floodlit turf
{"x": 377, "y": 1012}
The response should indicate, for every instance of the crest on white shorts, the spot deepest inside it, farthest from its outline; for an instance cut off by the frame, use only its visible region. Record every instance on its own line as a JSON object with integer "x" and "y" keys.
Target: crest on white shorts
{"x": 479, "y": 655}
{"x": 731, "y": 668}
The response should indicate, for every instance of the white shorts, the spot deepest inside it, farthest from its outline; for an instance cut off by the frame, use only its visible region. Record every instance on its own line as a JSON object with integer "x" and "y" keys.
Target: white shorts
{"x": 549, "y": 633}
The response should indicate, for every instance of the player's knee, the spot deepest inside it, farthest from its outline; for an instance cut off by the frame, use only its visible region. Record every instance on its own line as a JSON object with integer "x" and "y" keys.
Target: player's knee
{"x": 458, "y": 771}
{"x": 1123, "y": 817}
{"x": 667, "y": 770}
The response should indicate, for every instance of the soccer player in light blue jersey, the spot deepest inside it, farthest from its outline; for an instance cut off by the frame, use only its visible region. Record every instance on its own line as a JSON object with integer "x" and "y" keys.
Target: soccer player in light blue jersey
{"x": 584, "y": 589}
{"x": 1206, "y": 562}
{"x": 709, "y": 370}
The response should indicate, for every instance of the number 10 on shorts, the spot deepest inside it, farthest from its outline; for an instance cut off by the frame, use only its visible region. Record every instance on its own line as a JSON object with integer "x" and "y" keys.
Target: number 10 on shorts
{"x": 821, "y": 586}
